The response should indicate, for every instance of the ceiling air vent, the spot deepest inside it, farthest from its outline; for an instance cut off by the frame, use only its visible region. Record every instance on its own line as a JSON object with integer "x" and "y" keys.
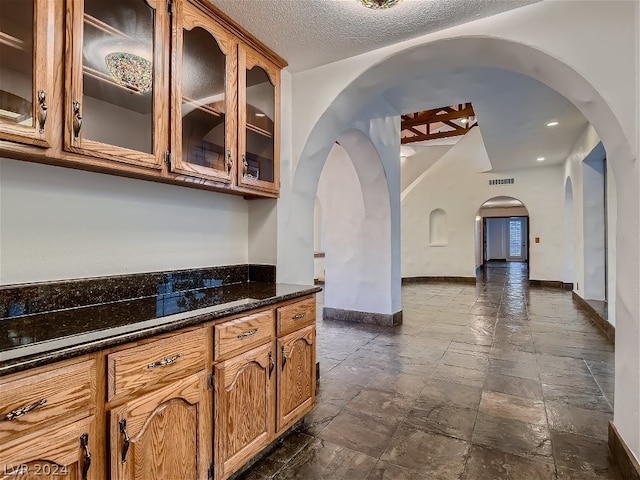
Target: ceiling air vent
{"x": 502, "y": 181}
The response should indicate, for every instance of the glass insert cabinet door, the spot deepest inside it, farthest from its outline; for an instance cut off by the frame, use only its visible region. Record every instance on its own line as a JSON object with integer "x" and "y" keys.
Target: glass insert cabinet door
{"x": 259, "y": 117}
{"x": 26, "y": 75}
{"x": 116, "y": 101}
{"x": 204, "y": 98}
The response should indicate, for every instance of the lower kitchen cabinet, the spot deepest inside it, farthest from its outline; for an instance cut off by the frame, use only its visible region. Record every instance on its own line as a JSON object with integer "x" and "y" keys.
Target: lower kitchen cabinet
{"x": 165, "y": 434}
{"x": 244, "y": 400}
{"x": 61, "y": 452}
{"x": 296, "y": 376}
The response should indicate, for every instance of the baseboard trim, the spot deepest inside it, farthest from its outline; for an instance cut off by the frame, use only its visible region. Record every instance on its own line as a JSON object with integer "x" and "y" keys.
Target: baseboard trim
{"x": 603, "y": 325}
{"x": 622, "y": 456}
{"x": 551, "y": 284}
{"x": 389, "y": 320}
{"x": 468, "y": 280}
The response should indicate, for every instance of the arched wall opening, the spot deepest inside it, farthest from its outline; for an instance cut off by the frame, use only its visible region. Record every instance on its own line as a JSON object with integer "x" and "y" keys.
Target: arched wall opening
{"x": 569, "y": 235}
{"x": 504, "y": 230}
{"x": 356, "y": 216}
{"x": 362, "y": 103}
{"x": 594, "y": 179}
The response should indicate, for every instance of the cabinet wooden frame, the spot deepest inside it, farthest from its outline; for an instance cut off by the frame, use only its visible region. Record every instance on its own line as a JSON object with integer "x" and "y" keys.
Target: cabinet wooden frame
{"x": 57, "y": 452}
{"x": 143, "y": 427}
{"x": 187, "y": 17}
{"x": 74, "y": 71}
{"x": 248, "y": 58}
{"x": 40, "y": 133}
{"x": 296, "y": 376}
{"x": 246, "y": 380}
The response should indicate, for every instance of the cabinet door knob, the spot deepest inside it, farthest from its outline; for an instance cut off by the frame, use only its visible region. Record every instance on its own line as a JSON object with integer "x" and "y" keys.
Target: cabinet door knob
{"x": 42, "y": 113}
{"x": 77, "y": 119}
{"x": 86, "y": 461}
{"x": 299, "y": 316}
{"x": 125, "y": 440}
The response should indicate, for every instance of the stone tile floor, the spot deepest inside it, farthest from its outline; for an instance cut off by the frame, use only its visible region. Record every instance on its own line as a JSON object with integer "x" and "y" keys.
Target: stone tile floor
{"x": 494, "y": 381}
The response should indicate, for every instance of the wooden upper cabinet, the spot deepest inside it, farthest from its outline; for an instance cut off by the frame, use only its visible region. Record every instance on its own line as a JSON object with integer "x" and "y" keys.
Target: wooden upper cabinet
{"x": 116, "y": 80}
{"x": 258, "y": 121}
{"x": 203, "y": 96}
{"x": 26, "y": 70}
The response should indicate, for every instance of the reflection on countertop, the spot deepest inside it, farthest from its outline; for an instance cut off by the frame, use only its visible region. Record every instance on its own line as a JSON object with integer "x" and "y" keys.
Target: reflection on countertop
{"x": 78, "y": 320}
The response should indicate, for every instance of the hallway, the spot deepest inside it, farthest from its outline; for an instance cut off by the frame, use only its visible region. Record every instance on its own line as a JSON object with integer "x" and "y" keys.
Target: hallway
{"x": 494, "y": 381}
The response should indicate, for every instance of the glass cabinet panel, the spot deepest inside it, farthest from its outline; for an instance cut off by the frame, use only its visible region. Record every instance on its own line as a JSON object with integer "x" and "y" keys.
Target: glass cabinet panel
{"x": 115, "y": 107}
{"x": 258, "y": 134}
{"x": 203, "y": 104}
{"x": 203, "y": 110}
{"x": 259, "y": 111}
{"x": 23, "y": 79}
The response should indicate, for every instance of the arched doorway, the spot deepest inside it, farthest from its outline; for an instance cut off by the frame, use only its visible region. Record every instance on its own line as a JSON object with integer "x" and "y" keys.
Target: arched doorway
{"x": 504, "y": 231}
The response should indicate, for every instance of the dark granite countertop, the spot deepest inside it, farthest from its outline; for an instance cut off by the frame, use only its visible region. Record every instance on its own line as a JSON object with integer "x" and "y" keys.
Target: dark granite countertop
{"x": 36, "y": 339}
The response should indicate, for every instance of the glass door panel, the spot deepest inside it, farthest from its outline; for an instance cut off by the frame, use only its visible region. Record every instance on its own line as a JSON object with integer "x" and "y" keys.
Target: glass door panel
{"x": 258, "y": 122}
{"x": 117, "y": 73}
{"x": 116, "y": 105}
{"x": 259, "y": 131}
{"x": 517, "y": 239}
{"x": 201, "y": 125}
{"x": 16, "y": 61}
{"x": 204, "y": 106}
{"x": 23, "y": 79}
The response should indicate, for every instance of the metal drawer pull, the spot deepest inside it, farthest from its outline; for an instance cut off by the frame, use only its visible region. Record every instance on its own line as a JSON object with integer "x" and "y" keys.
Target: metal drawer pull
{"x": 86, "y": 461}
{"x": 299, "y": 316}
{"x": 248, "y": 334}
{"x": 165, "y": 361}
{"x": 125, "y": 440}
{"x": 23, "y": 410}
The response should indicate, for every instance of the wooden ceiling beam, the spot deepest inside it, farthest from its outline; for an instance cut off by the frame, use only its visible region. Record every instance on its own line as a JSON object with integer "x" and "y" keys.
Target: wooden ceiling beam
{"x": 433, "y": 136}
{"x": 428, "y": 117}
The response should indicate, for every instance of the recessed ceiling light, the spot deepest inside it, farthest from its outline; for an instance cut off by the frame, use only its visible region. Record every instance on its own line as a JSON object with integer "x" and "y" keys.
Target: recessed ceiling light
{"x": 552, "y": 123}
{"x": 379, "y": 4}
{"x": 540, "y": 159}
{"x": 260, "y": 115}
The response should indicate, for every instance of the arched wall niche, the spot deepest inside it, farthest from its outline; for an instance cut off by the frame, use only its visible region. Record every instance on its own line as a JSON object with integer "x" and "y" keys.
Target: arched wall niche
{"x": 438, "y": 233}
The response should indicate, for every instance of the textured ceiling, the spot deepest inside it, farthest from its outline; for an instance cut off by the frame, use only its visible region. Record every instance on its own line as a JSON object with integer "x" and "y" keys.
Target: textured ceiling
{"x": 309, "y": 33}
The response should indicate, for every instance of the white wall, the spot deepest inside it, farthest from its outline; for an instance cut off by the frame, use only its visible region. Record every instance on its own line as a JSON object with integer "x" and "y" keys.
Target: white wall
{"x": 59, "y": 223}
{"x": 416, "y": 165}
{"x": 262, "y": 234}
{"x": 593, "y": 182}
{"x": 455, "y": 186}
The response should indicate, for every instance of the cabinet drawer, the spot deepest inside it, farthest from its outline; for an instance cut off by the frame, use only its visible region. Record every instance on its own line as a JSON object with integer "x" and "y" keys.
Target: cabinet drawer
{"x": 296, "y": 315}
{"x": 242, "y": 334}
{"x": 48, "y": 396}
{"x": 156, "y": 363}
